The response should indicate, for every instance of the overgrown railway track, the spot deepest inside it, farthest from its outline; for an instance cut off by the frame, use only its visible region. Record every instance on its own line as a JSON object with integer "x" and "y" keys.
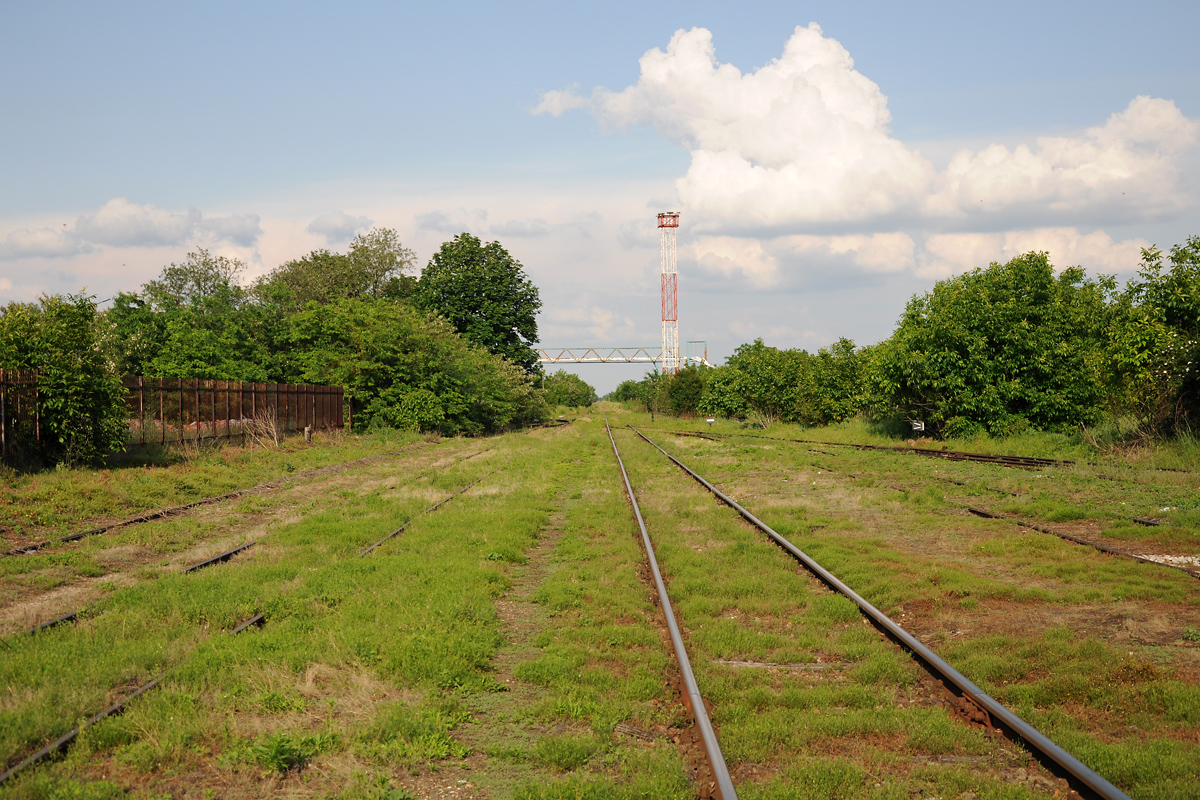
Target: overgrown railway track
{"x": 717, "y": 782}
{"x": 970, "y": 700}
{"x": 63, "y": 743}
{"x": 1019, "y": 462}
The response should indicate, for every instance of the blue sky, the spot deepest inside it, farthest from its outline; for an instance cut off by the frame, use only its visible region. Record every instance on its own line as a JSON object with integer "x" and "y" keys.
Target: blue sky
{"x": 132, "y": 133}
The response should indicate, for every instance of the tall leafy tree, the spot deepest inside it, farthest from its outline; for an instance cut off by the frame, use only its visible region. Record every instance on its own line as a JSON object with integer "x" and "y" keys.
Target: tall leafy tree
{"x": 194, "y": 321}
{"x": 484, "y": 293}
{"x": 377, "y": 265}
{"x": 1154, "y": 341}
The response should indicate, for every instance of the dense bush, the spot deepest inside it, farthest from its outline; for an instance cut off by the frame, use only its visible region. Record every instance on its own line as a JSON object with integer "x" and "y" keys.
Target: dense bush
{"x": 767, "y": 384}
{"x": 83, "y": 416}
{"x": 566, "y": 389}
{"x": 1153, "y": 354}
{"x": 404, "y": 369}
{"x": 1003, "y": 349}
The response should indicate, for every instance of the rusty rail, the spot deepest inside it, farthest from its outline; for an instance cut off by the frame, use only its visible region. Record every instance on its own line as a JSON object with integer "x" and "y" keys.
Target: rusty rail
{"x": 372, "y": 547}
{"x": 63, "y": 742}
{"x": 1021, "y": 462}
{"x": 720, "y": 772}
{"x": 1081, "y": 777}
{"x": 150, "y": 516}
{"x": 979, "y": 512}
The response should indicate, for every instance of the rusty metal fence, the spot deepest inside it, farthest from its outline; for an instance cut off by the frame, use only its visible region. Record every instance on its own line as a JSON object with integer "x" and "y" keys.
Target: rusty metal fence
{"x": 178, "y": 410}
{"x": 182, "y": 410}
{"x": 20, "y": 407}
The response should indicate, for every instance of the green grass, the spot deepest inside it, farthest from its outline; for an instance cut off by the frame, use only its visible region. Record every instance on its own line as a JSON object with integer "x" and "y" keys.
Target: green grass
{"x": 371, "y": 671}
{"x": 55, "y": 502}
{"x": 914, "y": 549}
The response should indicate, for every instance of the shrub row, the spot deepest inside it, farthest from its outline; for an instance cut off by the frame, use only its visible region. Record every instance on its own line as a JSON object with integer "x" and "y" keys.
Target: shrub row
{"x": 1002, "y": 349}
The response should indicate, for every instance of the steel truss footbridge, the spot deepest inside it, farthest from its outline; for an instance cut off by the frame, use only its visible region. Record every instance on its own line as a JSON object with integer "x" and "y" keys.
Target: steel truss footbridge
{"x": 617, "y": 355}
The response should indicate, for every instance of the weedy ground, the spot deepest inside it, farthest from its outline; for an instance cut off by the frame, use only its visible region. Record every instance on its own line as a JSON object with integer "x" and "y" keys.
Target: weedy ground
{"x": 508, "y": 645}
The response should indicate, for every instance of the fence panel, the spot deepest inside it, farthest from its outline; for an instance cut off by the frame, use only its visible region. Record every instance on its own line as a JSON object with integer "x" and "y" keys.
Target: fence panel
{"x": 189, "y": 410}
{"x": 167, "y": 411}
{"x": 20, "y": 412}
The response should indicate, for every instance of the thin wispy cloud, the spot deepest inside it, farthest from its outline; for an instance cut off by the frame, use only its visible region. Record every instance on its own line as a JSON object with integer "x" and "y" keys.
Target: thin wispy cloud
{"x": 120, "y": 223}
{"x": 338, "y": 226}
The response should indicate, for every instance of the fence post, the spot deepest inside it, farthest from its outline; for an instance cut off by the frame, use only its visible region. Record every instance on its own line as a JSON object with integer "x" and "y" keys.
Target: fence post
{"x": 3, "y": 416}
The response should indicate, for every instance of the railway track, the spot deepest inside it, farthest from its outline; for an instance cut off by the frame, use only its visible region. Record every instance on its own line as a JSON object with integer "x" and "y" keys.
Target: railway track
{"x": 163, "y": 513}
{"x": 1019, "y": 462}
{"x": 63, "y": 743}
{"x": 717, "y": 782}
{"x": 970, "y": 700}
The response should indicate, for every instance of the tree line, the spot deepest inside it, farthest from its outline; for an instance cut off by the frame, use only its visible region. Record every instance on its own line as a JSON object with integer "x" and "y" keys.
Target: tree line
{"x": 998, "y": 350}
{"x": 448, "y": 350}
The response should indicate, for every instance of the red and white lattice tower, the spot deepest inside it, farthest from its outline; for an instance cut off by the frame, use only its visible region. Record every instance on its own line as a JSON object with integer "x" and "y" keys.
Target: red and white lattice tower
{"x": 668, "y": 224}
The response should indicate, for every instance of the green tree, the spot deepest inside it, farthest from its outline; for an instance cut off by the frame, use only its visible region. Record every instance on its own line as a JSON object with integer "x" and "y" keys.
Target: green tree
{"x": 757, "y": 380}
{"x": 194, "y": 321}
{"x": 83, "y": 413}
{"x": 1003, "y": 348}
{"x": 566, "y": 389}
{"x": 377, "y": 265}
{"x": 484, "y": 293}
{"x": 200, "y": 276}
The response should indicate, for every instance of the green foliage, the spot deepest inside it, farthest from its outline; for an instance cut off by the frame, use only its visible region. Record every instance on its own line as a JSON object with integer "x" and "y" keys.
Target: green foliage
{"x": 376, "y": 265}
{"x": 82, "y": 400}
{"x": 1154, "y": 342}
{"x": 684, "y": 390}
{"x": 567, "y": 389}
{"x": 484, "y": 293}
{"x": 194, "y": 321}
{"x": 282, "y": 752}
{"x": 405, "y": 370}
{"x": 1002, "y": 349}
{"x": 769, "y": 384}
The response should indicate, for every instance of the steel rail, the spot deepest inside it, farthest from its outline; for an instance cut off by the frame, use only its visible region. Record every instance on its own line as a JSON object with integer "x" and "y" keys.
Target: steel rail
{"x": 221, "y": 557}
{"x": 979, "y": 512}
{"x": 61, "y": 744}
{"x": 150, "y": 516}
{"x": 1023, "y": 462}
{"x": 53, "y": 622}
{"x": 720, "y": 772}
{"x": 1083, "y": 779}
{"x": 371, "y": 548}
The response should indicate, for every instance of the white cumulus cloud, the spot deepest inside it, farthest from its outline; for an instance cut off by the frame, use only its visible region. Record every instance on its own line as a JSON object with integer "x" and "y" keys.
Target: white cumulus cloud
{"x": 1130, "y": 165}
{"x": 790, "y": 260}
{"x": 805, "y": 141}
